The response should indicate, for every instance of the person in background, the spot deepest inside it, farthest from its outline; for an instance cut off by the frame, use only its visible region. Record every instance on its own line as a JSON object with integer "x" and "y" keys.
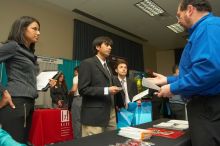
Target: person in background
{"x": 59, "y": 93}
{"x": 97, "y": 90}
{"x": 175, "y": 70}
{"x": 177, "y": 104}
{"x": 76, "y": 106}
{"x": 18, "y": 96}
{"x": 160, "y": 106}
{"x": 199, "y": 72}
{"x": 129, "y": 87}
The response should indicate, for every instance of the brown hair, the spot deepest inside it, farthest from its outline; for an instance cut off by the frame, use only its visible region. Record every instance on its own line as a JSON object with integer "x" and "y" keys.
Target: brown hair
{"x": 63, "y": 82}
{"x": 200, "y": 5}
{"x": 121, "y": 61}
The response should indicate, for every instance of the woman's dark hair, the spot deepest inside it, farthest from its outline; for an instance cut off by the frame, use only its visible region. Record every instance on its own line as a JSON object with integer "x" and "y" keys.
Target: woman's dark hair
{"x": 99, "y": 40}
{"x": 18, "y": 29}
{"x": 201, "y": 5}
{"x": 63, "y": 84}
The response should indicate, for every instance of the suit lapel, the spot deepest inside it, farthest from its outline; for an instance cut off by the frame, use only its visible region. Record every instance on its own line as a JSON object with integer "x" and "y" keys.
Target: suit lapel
{"x": 101, "y": 68}
{"x": 118, "y": 83}
{"x": 121, "y": 92}
{"x": 129, "y": 88}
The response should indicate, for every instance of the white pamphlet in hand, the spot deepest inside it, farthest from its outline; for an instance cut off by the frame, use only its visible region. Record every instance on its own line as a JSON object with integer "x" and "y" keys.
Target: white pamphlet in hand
{"x": 149, "y": 84}
{"x": 140, "y": 95}
{"x": 43, "y": 79}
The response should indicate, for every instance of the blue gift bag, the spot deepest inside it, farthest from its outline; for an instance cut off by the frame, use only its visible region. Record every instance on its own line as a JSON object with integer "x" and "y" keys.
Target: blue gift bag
{"x": 124, "y": 118}
{"x": 7, "y": 140}
{"x": 142, "y": 113}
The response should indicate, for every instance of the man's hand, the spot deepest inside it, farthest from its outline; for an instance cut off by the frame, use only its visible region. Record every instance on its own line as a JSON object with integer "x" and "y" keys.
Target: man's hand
{"x": 114, "y": 89}
{"x": 71, "y": 93}
{"x": 158, "y": 79}
{"x": 6, "y": 99}
{"x": 165, "y": 91}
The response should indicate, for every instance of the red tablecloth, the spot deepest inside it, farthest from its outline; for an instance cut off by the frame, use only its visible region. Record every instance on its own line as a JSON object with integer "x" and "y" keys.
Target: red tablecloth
{"x": 50, "y": 126}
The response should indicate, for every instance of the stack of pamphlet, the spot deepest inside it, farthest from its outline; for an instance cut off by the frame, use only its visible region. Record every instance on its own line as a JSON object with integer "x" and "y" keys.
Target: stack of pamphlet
{"x": 135, "y": 133}
{"x": 173, "y": 124}
{"x": 167, "y": 133}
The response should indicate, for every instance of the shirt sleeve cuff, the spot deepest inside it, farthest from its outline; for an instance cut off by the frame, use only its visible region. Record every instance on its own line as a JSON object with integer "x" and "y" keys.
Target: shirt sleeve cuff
{"x": 174, "y": 88}
{"x": 171, "y": 79}
{"x": 106, "y": 92}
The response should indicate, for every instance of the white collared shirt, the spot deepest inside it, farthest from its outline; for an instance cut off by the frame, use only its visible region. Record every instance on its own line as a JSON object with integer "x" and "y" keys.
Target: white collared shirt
{"x": 106, "y": 90}
{"x": 127, "y": 100}
{"x": 102, "y": 62}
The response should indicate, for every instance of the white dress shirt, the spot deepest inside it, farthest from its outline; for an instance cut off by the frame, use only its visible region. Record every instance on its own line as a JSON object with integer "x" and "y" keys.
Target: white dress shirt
{"x": 127, "y": 100}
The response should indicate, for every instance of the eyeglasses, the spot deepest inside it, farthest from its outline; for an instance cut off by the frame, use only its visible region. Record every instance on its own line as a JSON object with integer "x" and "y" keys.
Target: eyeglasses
{"x": 180, "y": 14}
{"x": 177, "y": 17}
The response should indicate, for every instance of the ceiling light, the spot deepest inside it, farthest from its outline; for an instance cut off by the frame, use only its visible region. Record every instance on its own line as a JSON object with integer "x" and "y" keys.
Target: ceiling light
{"x": 149, "y": 7}
{"x": 177, "y": 28}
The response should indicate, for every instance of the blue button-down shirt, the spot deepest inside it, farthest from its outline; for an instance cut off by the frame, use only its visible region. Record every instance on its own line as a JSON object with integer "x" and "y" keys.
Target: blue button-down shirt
{"x": 200, "y": 62}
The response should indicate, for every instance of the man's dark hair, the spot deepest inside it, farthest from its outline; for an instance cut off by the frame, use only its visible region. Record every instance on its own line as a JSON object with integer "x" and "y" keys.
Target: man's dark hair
{"x": 121, "y": 61}
{"x": 76, "y": 68}
{"x": 99, "y": 40}
{"x": 200, "y": 5}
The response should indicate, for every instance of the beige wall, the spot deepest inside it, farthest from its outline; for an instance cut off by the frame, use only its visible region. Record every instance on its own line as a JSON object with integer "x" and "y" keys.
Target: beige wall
{"x": 165, "y": 62}
{"x": 150, "y": 61}
{"x": 56, "y": 38}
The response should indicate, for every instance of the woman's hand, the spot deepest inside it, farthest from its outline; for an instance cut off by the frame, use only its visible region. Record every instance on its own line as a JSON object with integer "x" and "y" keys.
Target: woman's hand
{"x": 52, "y": 82}
{"x": 6, "y": 99}
{"x": 60, "y": 103}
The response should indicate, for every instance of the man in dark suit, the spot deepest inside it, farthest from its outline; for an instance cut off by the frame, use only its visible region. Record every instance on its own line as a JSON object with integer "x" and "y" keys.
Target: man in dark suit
{"x": 129, "y": 87}
{"x": 96, "y": 88}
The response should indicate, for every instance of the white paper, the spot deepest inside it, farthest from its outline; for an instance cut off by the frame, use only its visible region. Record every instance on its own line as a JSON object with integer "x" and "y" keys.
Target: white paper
{"x": 134, "y": 129}
{"x": 140, "y": 95}
{"x": 164, "y": 125}
{"x": 44, "y": 77}
{"x": 147, "y": 83}
{"x": 133, "y": 133}
{"x": 173, "y": 124}
{"x": 184, "y": 122}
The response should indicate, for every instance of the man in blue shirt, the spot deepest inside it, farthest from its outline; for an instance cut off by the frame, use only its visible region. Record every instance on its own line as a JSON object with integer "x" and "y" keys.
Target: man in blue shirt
{"x": 199, "y": 72}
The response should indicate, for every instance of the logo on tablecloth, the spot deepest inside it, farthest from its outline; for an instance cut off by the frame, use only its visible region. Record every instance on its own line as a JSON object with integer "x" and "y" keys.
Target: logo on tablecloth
{"x": 65, "y": 123}
{"x": 65, "y": 116}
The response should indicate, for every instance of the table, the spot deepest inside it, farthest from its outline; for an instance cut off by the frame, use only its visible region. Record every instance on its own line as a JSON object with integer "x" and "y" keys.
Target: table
{"x": 111, "y": 137}
{"x": 50, "y": 126}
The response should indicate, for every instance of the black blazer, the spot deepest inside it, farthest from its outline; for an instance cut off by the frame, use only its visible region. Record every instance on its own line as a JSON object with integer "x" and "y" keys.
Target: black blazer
{"x": 120, "y": 97}
{"x": 95, "y": 105}
{"x": 58, "y": 93}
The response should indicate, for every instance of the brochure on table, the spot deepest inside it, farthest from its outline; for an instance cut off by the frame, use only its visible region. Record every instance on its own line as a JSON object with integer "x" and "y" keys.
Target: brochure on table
{"x": 173, "y": 124}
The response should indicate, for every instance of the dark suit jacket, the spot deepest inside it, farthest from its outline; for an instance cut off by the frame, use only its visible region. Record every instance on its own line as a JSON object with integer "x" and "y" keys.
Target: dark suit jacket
{"x": 95, "y": 105}
{"x": 120, "y": 97}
